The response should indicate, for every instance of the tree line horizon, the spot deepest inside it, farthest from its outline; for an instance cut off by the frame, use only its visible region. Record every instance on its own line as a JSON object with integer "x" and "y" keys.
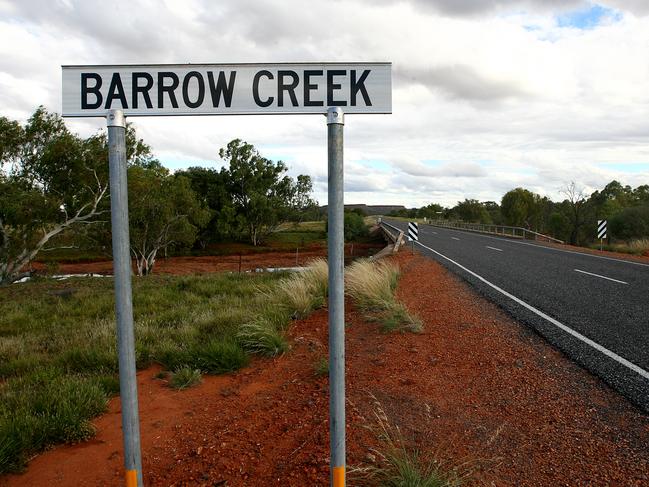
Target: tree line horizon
{"x": 573, "y": 220}
{"x": 54, "y": 193}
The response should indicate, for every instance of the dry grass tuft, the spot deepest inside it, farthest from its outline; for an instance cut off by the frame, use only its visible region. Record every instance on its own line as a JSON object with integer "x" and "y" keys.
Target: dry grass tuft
{"x": 306, "y": 291}
{"x": 372, "y": 285}
{"x": 397, "y": 465}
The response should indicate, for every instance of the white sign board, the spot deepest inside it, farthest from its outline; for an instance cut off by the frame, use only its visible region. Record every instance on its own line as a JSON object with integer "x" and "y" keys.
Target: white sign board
{"x": 227, "y": 89}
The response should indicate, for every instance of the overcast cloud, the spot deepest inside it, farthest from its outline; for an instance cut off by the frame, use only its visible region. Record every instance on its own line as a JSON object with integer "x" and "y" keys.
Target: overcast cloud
{"x": 487, "y": 94}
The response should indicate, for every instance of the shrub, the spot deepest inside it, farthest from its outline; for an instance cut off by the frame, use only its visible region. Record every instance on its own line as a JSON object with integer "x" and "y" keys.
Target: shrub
{"x": 218, "y": 357}
{"x": 354, "y": 226}
{"x": 185, "y": 377}
{"x": 263, "y": 338}
{"x": 631, "y": 223}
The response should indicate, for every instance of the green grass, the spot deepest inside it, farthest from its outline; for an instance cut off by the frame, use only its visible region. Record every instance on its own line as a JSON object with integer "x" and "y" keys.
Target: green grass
{"x": 321, "y": 367}
{"x": 185, "y": 377}
{"x": 58, "y": 362}
{"x": 399, "y": 465}
{"x": 635, "y": 247}
{"x": 372, "y": 285}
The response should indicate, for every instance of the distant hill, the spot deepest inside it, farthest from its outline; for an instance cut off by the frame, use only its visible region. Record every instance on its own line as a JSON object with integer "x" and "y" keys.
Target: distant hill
{"x": 372, "y": 209}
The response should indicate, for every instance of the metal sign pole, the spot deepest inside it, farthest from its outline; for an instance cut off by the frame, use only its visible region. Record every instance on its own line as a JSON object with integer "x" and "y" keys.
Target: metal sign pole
{"x": 116, "y": 124}
{"x": 336, "y": 242}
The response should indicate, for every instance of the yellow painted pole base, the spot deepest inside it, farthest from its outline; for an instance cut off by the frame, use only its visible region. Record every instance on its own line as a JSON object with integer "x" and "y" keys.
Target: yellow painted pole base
{"x": 131, "y": 478}
{"x": 339, "y": 476}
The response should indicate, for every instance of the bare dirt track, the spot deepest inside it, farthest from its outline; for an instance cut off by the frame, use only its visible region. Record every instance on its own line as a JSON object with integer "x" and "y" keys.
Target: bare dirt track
{"x": 474, "y": 386}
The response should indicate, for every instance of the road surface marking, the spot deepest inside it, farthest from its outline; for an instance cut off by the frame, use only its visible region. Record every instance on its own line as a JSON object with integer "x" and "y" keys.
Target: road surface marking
{"x": 603, "y": 277}
{"x": 557, "y": 250}
{"x": 455, "y": 238}
{"x": 494, "y": 248}
{"x": 579, "y": 336}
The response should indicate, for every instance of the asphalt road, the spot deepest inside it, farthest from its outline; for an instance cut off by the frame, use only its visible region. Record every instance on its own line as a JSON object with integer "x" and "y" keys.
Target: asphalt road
{"x": 595, "y": 309}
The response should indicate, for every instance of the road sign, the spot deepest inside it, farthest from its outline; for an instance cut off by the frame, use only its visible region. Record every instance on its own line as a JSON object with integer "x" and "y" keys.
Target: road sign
{"x": 232, "y": 89}
{"x": 328, "y": 89}
{"x": 601, "y": 228}
{"x": 413, "y": 231}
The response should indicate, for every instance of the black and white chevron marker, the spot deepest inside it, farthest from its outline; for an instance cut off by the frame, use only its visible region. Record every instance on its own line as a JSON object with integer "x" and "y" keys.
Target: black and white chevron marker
{"x": 413, "y": 231}
{"x": 601, "y": 228}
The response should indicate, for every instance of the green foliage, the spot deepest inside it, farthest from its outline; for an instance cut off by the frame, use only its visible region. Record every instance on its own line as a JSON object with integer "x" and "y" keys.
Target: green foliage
{"x": 559, "y": 226}
{"x": 631, "y": 223}
{"x": 185, "y": 377}
{"x": 218, "y": 356}
{"x": 471, "y": 211}
{"x": 163, "y": 211}
{"x": 58, "y": 358}
{"x": 262, "y": 337}
{"x": 520, "y": 208}
{"x": 249, "y": 197}
{"x": 42, "y": 409}
{"x": 354, "y": 226}
{"x": 321, "y": 367}
{"x": 262, "y": 194}
{"x": 50, "y": 181}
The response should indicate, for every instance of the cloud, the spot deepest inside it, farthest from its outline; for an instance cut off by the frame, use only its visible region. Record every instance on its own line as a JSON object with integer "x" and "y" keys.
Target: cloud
{"x": 459, "y": 81}
{"x": 473, "y": 8}
{"x": 497, "y": 90}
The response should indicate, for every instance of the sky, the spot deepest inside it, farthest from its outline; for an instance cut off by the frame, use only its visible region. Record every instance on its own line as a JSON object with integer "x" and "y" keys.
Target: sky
{"x": 488, "y": 95}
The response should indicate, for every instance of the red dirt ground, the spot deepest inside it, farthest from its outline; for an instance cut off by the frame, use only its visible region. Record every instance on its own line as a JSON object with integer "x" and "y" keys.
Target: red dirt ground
{"x": 474, "y": 387}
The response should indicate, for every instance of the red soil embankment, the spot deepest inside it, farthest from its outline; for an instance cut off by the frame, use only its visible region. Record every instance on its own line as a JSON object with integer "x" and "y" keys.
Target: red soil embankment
{"x": 474, "y": 386}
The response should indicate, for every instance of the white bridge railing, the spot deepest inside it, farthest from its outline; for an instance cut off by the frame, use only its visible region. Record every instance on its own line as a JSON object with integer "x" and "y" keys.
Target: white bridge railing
{"x": 502, "y": 230}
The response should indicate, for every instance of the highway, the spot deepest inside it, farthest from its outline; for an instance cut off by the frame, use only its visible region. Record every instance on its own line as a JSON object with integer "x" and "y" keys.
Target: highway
{"x": 593, "y": 308}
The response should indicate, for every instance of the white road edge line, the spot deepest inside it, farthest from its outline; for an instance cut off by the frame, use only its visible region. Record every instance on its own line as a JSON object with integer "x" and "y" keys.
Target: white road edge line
{"x": 579, "y": 336}
{"x": 455, "y": 238}
{"x": 494, "y": 248}
{"x": 597, "y": 275}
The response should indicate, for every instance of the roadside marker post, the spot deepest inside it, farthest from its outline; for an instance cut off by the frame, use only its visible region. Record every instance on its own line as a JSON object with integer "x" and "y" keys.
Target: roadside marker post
{"x": 116, "y": 125}
{"x": 331, "y": 89}
{"x": 413, "y": 234}
{"x": 601, "y": 232}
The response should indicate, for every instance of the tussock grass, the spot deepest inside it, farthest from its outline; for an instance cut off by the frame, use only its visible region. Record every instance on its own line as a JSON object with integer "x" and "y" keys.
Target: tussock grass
{"x": 185, "y": 377}
{"x": 640, "y": 245}
{"x": 398, "y": 465}
{"x": 43, "y": 409}
{"x": 58, "y": 363}
{"x": 637, "y": 246}
{"x": 307, "y": 290}
{"x": 372, "y": 285}
{"x": 321, "y": 367}
{"x": 262, "y": 337}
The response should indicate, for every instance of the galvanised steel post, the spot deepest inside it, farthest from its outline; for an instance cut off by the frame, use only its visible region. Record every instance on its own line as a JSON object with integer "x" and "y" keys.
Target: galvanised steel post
{"x": 336, "y": 256}
{"x": 116, "y": 123}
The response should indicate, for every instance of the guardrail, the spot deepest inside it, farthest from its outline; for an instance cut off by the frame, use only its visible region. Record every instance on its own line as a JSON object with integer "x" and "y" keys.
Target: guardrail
{"x": 396, "y": 238}
{"x": 500, "y": 230}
